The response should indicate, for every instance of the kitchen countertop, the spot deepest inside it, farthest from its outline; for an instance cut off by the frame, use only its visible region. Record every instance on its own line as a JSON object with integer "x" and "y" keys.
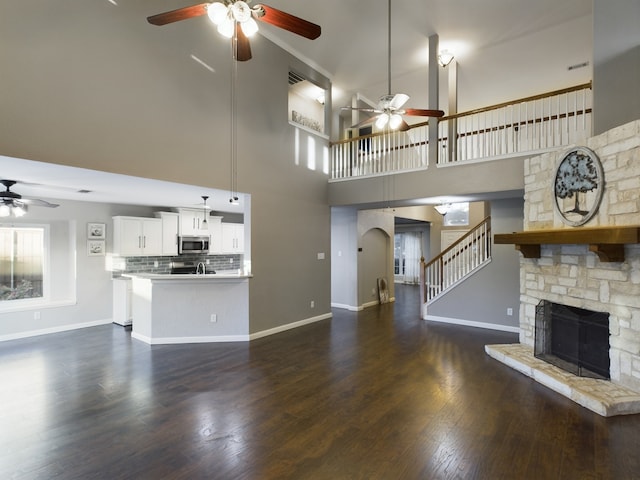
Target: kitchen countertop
{"x": 187, "y": 276}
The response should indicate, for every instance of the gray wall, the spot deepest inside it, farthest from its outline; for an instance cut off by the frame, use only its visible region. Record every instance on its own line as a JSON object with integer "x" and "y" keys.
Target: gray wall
{"x": 616, "y": 59}
{"x": 485, "y": 296}
{"x": 89, "y": 300}
{"x": 136, "y": 103}
{"x": 344, "y": 257}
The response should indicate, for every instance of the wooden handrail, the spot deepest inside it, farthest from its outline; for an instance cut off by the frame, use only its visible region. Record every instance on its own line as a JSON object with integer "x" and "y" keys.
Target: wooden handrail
{"x": 521, "y": 100}
{"x": 460, "y": 240}
{"x": 478, "y": 110}
{"x": 481, "y": 231}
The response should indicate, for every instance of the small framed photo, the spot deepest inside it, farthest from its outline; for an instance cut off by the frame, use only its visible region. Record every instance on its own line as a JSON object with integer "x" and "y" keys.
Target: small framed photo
{"x": 95, "y": 248}
{"x": 96, "y": 231}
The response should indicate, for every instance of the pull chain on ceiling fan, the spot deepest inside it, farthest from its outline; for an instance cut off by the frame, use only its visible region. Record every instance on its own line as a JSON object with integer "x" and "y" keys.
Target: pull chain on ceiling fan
{"x": 236, "y": 20}
{"x": 389, "y": 109}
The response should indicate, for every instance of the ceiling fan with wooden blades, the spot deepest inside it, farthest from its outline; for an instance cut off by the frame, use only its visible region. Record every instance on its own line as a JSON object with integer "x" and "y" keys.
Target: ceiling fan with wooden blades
{"x": 14, "y": 204}
{"x": 235, "y": 19}
{"x": 389, "y": 109}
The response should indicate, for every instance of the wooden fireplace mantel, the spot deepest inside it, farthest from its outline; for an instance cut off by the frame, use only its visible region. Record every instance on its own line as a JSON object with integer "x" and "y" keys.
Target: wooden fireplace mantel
{"x": 606, "y": 242}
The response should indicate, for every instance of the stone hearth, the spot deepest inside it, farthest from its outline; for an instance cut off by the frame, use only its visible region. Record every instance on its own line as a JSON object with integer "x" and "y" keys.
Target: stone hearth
{"x": 600, "y": 396}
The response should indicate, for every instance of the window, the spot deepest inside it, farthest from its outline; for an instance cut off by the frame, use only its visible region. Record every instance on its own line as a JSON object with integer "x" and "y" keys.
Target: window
{"x": 22, "y": 263}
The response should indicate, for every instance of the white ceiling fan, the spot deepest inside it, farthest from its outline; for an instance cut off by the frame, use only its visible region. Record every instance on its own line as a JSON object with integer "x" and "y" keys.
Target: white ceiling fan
{"x": 389, "y": 109}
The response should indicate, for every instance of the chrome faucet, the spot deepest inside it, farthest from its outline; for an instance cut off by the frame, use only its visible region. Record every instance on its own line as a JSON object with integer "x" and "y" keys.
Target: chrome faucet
{"x": 204, "y": 269}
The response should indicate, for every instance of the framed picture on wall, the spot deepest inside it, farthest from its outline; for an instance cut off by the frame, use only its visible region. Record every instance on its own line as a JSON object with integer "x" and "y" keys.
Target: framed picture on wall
{"x": 96, "y": 231}
{"x": 95, "y": 248}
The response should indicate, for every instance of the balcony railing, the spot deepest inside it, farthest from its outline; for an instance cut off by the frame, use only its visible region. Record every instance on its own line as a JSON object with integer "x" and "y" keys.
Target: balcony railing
{"x": 523, "y": 126}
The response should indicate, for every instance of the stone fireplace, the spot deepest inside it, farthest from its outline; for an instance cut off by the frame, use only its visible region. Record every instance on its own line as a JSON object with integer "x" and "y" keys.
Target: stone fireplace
{"x": 571, "y": 274}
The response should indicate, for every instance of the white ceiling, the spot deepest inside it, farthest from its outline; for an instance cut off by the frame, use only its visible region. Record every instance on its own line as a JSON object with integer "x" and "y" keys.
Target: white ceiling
{"x": 352, "y": 52}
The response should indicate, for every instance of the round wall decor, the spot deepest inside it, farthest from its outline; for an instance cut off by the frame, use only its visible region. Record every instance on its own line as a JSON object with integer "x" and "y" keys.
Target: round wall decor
{"x": 578, "y": 186}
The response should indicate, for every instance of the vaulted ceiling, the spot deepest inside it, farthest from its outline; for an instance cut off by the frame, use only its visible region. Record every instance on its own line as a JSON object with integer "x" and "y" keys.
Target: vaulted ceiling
{"x": 505, "y": 49}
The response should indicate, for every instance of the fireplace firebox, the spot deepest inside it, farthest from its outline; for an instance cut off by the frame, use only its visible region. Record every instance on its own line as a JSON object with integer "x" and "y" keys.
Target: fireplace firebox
{"x": 572, "y": 338}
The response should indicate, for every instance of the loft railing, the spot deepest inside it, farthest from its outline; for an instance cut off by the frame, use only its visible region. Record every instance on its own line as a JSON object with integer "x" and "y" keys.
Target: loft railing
{"x": 380, "y": 153}
{"x": 526, "y": 125}
{"x": 458, "y": 261}
{"x": 531, "y": 124}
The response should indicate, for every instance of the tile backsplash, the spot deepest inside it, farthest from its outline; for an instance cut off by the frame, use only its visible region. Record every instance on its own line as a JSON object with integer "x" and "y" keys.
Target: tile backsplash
{"x": 148, "y": 264}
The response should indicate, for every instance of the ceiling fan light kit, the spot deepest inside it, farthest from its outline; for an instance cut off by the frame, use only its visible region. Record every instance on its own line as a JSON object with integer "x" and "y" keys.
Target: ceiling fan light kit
{"x": 13, "y": 204}
{"x": 10, "y": 208}
{"x": 389, "y": 109}
{"x": 235, "y": 19}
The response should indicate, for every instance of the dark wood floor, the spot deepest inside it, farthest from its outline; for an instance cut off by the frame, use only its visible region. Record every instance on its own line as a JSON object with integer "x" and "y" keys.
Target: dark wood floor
{"x": 378, "y": 394}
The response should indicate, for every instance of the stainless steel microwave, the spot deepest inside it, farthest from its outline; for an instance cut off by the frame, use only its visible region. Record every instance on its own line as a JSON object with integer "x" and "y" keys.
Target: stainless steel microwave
{"x": 193, "y": 244}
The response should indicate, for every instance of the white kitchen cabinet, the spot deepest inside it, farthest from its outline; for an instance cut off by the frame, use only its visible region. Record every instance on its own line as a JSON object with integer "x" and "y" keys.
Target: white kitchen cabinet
{"x": 122, "y": 301}
{"x": 192, "y": 222}
{"x": 170, "y": 221}
{"x": 137, "y": 236}
{"x": 232, "y": 237}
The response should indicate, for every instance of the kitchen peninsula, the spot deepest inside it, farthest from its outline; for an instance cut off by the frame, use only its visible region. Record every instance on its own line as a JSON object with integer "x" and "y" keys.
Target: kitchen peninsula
{"x": 192, "y": 308}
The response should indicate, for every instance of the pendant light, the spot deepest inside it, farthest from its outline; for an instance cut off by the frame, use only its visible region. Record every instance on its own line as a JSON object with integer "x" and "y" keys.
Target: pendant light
{"x": 205, "y": 225}
{"x": 233, "y": 164}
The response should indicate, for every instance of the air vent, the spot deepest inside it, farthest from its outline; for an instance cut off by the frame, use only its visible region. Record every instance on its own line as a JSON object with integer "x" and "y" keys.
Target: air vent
{"x": 295, "y": 78}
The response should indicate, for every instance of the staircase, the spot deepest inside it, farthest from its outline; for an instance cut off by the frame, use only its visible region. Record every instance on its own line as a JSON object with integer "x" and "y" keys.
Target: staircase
{"x": 457, "y": 262}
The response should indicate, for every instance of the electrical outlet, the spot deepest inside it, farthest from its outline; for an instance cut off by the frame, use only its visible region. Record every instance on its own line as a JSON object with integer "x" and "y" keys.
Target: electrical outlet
{"x": 155, "y": 264}
{"x": 509, "y": 311}
{"x": 373, "y": 292}
{"x": 207, "y": 261}
{"x": 231, "y": 260}
{"x": 36, "y": 315}
{"x": 313, "y": 304}
{"x": 214, "y": 318}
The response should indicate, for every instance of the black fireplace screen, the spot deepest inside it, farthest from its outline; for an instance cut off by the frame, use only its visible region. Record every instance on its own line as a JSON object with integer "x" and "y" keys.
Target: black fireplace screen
{"x": 574, "y": 339}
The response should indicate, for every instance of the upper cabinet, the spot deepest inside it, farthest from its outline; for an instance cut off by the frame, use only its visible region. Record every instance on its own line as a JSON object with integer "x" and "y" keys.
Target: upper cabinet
{"x": 192, "y": 222}
{"x": 232, "y": 237}
{"x": 137, "y": 236}
{"x": 170, "y": 221}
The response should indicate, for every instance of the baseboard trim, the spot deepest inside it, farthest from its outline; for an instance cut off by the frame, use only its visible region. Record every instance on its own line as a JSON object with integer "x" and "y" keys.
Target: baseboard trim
{"x": 228, "y": 338}
{"x": 470, "y": 323}
{"x": 289, "y": 326}
{"x": 182, "y": 340}
{"x": 361, "y": 307}
{"x": 46, "y": 331}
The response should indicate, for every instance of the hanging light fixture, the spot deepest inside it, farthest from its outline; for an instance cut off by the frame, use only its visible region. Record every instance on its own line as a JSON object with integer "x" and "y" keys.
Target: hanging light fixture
{"x": 205, "y": 225}
{"x": 445, "y": 57}
{"x": 443, "y": 208}
{"x": 233, "y": 166}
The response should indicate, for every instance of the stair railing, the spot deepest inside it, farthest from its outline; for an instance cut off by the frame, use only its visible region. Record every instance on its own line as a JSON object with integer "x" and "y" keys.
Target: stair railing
{"x": 459, "y": 260}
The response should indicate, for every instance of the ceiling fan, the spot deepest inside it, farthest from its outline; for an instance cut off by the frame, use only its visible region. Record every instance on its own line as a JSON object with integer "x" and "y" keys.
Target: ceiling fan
{"x": 236, "y": 20}
{"x": 389, "y": 109}
{"x": 14, "y": 204}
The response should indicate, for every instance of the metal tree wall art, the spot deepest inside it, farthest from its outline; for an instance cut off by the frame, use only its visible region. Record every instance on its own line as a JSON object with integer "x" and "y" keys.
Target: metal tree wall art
{"x": 578, "y": 186}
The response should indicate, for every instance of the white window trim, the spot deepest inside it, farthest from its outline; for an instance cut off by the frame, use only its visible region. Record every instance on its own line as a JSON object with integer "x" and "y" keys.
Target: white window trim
{"x": 41, "y": 302}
